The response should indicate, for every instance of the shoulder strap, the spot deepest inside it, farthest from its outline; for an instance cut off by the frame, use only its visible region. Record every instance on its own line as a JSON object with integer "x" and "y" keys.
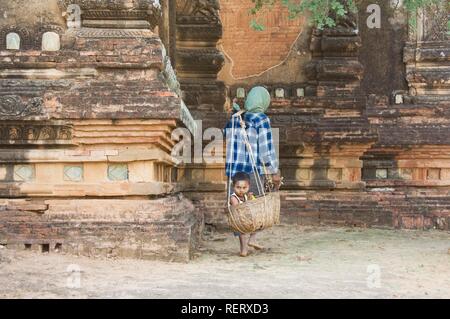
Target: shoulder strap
{"x": 259, "y": 183}
{"x": 239, "y": 113}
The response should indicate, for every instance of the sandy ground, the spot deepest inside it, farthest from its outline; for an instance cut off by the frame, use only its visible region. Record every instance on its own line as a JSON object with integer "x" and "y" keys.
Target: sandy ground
{"x": 299, "y": 262}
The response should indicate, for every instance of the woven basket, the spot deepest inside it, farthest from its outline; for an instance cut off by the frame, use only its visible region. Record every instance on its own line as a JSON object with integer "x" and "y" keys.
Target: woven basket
{"x": 254, "y": 215}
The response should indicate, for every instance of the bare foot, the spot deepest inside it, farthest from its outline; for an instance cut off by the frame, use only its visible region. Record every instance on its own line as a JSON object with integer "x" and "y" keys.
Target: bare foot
{"x": 243, "y": 254}
{"x": 256, "y": 246}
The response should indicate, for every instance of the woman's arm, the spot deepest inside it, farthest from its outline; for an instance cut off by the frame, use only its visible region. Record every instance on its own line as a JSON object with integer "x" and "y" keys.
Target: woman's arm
{"x": 266, "y": 146}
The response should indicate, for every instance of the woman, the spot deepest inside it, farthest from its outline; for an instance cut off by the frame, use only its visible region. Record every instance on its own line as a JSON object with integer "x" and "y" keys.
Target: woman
{"x": 258, "y": 134}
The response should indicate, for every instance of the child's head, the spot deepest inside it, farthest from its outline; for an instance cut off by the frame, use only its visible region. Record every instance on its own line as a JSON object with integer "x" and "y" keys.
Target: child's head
{"x": 241, "y": 183}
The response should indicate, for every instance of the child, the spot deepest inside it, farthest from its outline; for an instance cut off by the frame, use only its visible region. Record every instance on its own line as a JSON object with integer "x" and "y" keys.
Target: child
{"x": 241, "y": 186}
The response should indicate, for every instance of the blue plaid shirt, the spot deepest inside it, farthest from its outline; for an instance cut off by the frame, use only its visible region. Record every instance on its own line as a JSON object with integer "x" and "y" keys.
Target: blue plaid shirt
{"x": 260, "y": 137}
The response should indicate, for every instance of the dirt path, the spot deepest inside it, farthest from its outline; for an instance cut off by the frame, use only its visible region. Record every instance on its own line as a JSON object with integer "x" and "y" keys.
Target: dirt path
{"x": 300, "y": 262}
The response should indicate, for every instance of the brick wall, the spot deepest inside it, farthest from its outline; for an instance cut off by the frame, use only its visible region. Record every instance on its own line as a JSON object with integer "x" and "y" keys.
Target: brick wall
{"x": 252, "y": 52}
{"x": 164, "y": 229}
{"x": 407, "y": 208}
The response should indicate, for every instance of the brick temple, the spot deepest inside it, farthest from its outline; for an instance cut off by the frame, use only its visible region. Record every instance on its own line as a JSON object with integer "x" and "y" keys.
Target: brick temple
{"x": 91, "y": 91}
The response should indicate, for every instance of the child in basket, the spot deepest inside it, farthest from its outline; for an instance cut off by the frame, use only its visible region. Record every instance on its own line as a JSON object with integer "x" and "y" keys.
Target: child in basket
{"x": 241, "y": 186}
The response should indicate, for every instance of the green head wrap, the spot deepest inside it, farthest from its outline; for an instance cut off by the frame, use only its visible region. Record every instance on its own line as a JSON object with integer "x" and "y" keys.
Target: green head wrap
{"x": 258, "y": 100}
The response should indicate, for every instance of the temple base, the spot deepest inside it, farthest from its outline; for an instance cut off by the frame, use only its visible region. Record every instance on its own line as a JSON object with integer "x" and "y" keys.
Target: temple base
{"x": 161, "y": 229}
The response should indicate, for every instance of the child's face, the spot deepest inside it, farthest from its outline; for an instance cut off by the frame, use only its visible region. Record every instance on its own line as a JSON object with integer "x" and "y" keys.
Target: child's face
{"x": 241, "y": 188}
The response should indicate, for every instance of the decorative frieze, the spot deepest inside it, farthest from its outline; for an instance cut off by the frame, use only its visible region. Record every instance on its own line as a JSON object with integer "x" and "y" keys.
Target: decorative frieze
{"x": 198, "y": 11}
{"x": 34, "y": 133}
{"x": 430, "y": 24}
{"x": 427, "y": 56}
{"x": 13, "y": 106}
{"x": 116, "y": 14}
{"x": 111, "y": 33}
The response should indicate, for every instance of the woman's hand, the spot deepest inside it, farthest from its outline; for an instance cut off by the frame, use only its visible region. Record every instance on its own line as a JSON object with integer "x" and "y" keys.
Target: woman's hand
{"x": 236, "y": 107}
{"x": 277, "y": 181}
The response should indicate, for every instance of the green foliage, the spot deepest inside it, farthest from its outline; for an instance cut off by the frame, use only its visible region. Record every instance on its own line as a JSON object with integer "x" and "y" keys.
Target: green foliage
{"x": 255, "y": 25}
{"x": 324, "y": 13}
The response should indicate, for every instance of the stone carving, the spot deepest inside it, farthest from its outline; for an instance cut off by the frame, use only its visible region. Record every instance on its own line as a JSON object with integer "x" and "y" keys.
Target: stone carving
{"x": 14, "y": 133}
{"x": 31, "y": 134}
{"x": 73, "y": 16}
{"x": 170, "y": 76}
{"x": 13, "y": 41}
{"x": 24, "y": 133}
{"x": 13, "y": 106}
{"x": 113, "y": 5}
{"x": 174, "y": 85}
{"x": 188, "y": 120}
{"x": 111, "y": 33}
{"x": 47, "y": 133}
{"x": 431, "y": 24}
{"x": 64, "y": 133}
{"x": 202, "y": 9}
{"x": 436, "y": 23}
{"x": 148, "y": 10}
{"x": 426, "y": 56}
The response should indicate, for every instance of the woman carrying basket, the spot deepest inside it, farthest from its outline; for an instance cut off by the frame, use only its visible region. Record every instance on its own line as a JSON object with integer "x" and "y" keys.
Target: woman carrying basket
{"x": 251, "y": 150}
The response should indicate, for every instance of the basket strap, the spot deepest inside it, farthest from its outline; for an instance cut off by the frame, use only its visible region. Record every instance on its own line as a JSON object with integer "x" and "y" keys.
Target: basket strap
{"x": 230, "y": 166}
{"x": 259, "y": 183}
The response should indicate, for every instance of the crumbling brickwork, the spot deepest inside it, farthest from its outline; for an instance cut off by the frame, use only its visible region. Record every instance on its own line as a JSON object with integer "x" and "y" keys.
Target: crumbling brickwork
{"x": 139, "y": 229}
{"x": 86, "y": 116}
